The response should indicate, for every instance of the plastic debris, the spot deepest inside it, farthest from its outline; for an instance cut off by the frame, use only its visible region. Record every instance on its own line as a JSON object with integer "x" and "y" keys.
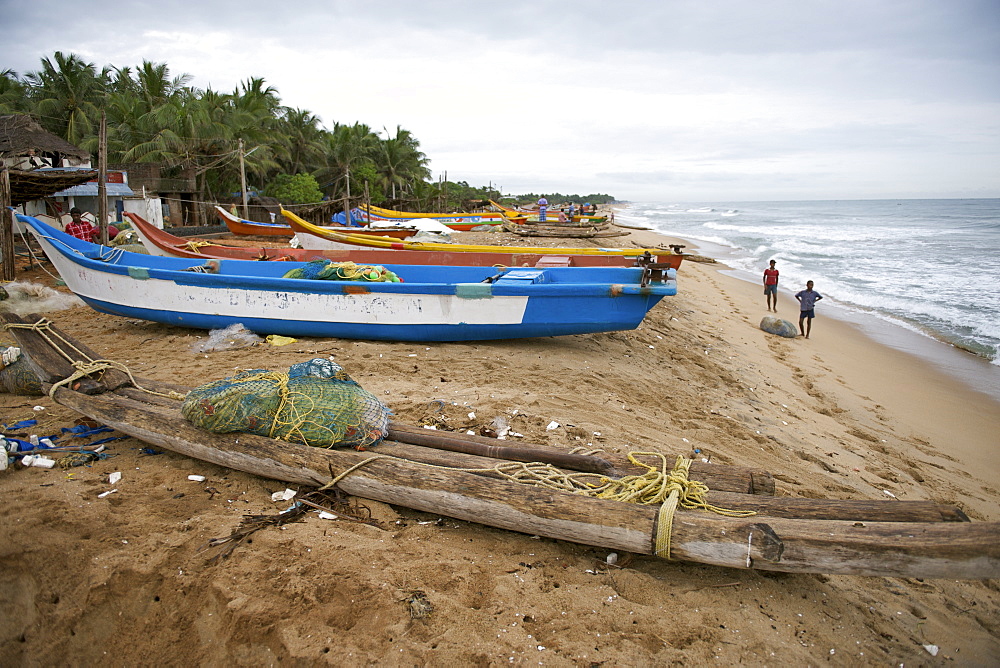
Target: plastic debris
{"x": 931, "y": 649}
{"x": 234, "y": 337}
{"x": 38, "y": 461}
{"x": 279, "y": 340}
{"x": 114, "y": 477}
{"x": 196, "y": 478}
{"x": 552, "y": 425}
{"x": 286, "y": 495}
{"x": 323, "y": 515}
{"x": 107, "y": 493}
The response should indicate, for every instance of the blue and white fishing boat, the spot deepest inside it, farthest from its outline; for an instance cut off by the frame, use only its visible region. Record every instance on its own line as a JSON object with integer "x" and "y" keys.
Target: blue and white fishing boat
{"x": 433, "y": 303}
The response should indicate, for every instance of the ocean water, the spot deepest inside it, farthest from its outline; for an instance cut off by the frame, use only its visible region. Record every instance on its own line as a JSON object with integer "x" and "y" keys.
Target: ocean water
{"x": 928, "y": 266}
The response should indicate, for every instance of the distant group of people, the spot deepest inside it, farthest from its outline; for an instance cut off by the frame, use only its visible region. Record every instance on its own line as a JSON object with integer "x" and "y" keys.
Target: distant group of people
{"x": 586, "y": 209}
{"x": 807, "y": 299}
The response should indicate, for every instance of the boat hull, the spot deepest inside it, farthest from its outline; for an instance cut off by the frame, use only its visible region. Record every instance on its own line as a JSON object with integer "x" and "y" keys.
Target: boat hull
{"x": 441, "y": 304}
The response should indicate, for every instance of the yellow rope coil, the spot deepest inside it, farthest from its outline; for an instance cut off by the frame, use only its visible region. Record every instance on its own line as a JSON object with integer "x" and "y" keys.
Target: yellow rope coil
{"x": 196, "y": 246}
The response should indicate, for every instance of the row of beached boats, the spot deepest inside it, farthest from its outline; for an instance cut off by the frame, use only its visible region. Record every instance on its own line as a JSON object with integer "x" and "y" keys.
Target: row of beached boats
{"x": 444, "y": 292}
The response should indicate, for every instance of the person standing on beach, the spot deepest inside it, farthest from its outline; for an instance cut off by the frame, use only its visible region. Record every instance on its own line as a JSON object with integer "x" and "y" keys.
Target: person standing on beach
{"x": 807, "y": 302}
{"x": 771, "y": 287}
{"x": 543, "y": 207}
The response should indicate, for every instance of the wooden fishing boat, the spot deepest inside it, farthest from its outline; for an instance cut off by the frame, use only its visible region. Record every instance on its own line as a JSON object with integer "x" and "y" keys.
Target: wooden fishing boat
{"x": 159, "y": 242}
{"x": 243, "y": 227}
{"x": 916, "y": 539}
{"x": 303, "y": 227}
{"x": 431, "y": 303}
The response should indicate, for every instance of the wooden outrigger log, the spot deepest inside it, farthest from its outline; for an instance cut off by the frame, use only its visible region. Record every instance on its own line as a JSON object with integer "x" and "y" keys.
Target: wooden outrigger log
{"x": 900, "y": 539}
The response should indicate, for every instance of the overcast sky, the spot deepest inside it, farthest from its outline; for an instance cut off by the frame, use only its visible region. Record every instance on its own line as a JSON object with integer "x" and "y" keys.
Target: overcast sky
{"x": 666, "y": 100}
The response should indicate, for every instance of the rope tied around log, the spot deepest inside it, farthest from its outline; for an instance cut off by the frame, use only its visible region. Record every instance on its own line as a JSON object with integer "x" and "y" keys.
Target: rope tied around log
{"x": 84, "y": 368}
{"x": 671, "y": 488}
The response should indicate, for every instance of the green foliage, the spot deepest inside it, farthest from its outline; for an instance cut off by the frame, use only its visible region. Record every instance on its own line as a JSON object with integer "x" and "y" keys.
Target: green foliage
{"x": 365, "y": 173}
{"x": 153, "y": 116}
{"x": 294, "y": 189}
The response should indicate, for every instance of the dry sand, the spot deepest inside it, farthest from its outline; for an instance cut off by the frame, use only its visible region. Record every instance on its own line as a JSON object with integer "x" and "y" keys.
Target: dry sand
{"x": 123, "y": 580}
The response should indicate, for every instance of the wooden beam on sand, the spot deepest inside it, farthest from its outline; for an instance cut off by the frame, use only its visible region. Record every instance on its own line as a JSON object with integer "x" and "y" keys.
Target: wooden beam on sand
{"x": 727, "y": 478}
{"x": 717, "y": 477}
{"x": 899, "y": 549}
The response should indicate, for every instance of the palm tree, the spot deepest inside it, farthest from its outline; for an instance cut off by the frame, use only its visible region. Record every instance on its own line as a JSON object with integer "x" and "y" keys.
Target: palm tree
{"x": 400, "y": 161}
{"x": 304, "y": 139}
{"x": 348, "y": 145}
{"x": 67, "y": 95}
{"x": 13, "y": 94}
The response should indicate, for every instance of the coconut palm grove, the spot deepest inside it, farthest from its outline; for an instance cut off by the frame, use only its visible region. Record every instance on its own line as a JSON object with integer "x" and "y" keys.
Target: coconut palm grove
{"x": 153, "y": 116}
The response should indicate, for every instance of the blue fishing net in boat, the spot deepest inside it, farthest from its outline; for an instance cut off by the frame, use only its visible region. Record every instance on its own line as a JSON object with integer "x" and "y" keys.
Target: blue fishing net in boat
{"x": 327, "y": 270}
{"x": 316, "y": 403}
{"x": 16, "y": 374}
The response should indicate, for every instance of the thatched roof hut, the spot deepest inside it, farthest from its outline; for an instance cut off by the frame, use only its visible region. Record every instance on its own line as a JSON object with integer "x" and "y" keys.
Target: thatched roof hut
{"x": 19, "y": 134}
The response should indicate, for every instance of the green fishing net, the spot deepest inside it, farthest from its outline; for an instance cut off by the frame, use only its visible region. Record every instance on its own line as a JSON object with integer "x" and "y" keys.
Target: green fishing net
{"x": 16, "y": 374}
{"x": 316, "y": 403}
{"x": 327, "y": 270}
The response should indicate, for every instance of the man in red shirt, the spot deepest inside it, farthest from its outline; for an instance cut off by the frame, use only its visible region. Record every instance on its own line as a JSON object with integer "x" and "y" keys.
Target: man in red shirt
{"x": 771, "y": 287}
{"x": 80, "y": 228}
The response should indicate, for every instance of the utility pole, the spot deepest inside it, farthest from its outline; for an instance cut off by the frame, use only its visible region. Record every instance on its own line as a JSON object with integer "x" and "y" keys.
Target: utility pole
{"x": 102, "y": 180}
{"x": 243, "y": 182}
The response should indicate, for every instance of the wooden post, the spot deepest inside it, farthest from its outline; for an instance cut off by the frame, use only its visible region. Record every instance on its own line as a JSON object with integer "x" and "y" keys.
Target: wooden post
{"x": 243, "y": 183}
{"x": 347, "y": 197}
{"x": 368, "y": 199}
{"x": 102, "y": 180}
{"x": 6, "y": 228}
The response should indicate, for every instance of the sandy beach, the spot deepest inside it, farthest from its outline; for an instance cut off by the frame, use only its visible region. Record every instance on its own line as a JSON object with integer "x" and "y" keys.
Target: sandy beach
{"x": 126, "y": 579}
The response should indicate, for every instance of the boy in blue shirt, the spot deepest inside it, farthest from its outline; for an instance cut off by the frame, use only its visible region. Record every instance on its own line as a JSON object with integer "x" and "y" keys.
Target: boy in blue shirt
{"x": 807, "y": 301}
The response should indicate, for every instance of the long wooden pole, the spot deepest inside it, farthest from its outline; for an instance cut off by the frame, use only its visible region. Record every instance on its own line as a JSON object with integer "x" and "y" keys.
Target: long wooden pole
{"x": 243, "y": 182}
{"x": 7, "y": 268}
{"x": 102, "y": 180}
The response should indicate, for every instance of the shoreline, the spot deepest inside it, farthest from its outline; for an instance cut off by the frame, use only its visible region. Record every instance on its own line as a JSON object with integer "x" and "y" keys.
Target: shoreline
{"x": 925, "y": 397}
{"x": 972, "y": 369}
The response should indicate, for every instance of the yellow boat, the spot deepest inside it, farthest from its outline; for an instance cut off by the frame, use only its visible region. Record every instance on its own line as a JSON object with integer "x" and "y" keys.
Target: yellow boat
{"x": 304, "y": 227}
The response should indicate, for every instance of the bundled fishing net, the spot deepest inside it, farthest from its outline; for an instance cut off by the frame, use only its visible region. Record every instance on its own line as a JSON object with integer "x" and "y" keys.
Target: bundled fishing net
{"x": 327, "y": 270}
{"x": 16, "y": 374}
{"x": 316, "y": 403}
